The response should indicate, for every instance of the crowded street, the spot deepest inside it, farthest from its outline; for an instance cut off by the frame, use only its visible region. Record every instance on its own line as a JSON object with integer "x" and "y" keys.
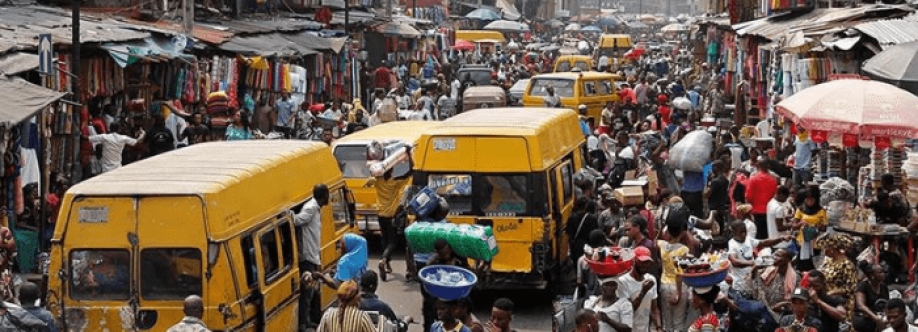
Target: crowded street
{"x": 450, "y": 166}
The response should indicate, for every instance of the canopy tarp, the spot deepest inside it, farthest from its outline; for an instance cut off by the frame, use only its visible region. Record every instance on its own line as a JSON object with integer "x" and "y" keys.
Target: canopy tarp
{"x": 21, "y": 99}
{"x": 17, "y": 62}
{"x": 398, "y": 29}
{"x": 126, "y": 53}
{"x": 271, "y": 44}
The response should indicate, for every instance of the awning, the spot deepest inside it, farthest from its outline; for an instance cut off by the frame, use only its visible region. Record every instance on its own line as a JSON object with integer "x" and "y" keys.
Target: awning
{"x": 21, "y": 99}
{"x": 336, "y": 4}
{"x": 398, "y": 29}
{"x": 317, "y": 43}
{"x": 150, "y": 48}
{"x": 271, "y": 44}
{"x": 844, "y": 44}
{"x": 18, "y": 62}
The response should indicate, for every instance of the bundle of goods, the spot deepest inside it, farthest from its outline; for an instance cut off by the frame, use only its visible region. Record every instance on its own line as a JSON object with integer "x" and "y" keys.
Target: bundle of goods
{"x": 682, "y": 103}
{"x": 865, "y": 183}
{"x": 836, "y": 211}
{"x": 610, "y": 261}
{"x": 384, "y": 156}
{"x": 836, "y": 189}
{"x": 472, "y": 241}
{"x": 705, "y": 271}
{"x": 388, "y": 112}
{"x": 424, "y": 202}
{"x": 692, "y": 152}
{"x": 895, "y": 159}
{"x": 911, "y": 176}
{"x": 858, "y": 219}
{"x": 852, "y": 164}
{"x": 878, "y": 161}
{"x": 447, "y": 282}
{"x": 834, "y": 161}
{"x": 218, "y": 109}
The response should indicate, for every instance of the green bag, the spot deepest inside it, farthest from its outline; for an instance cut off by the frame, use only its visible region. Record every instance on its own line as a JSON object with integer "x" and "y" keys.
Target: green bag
{"x": 471, "y": 241}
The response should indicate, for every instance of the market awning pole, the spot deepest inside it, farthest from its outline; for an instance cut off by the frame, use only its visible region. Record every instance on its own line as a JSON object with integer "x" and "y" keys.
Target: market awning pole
{"x": 75, "y": 166}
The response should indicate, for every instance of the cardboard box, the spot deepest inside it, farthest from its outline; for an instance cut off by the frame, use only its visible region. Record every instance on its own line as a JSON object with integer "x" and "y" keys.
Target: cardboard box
{"x": 630, "y": 196}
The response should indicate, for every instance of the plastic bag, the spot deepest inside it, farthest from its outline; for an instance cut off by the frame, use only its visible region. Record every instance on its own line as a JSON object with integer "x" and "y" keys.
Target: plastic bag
{"x": 682, "y": 103}
{"x": 836, "y": 189}
{"x": 692, "y": 152}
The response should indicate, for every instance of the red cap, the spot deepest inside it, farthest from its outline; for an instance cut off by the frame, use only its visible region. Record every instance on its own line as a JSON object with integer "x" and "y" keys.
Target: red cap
{"x": 661, "y": 97}
{"x": 642, "y": 254}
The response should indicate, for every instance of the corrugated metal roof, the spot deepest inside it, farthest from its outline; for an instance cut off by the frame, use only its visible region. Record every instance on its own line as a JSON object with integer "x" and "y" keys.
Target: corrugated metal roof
{"x": 270, "y": 44}
{"x": 818, "y": 21}
{"x": 723, "y": 21}
{"x": 21, "y": 25}
{"x": 890, "y": 32}
{"x": 203, "y": 33}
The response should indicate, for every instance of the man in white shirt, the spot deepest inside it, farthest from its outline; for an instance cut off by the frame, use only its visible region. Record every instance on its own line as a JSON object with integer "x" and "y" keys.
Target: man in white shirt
{"x": 113, "y": 145}
{"x": 603, "y": 63}
{"x": 613, "y": 308}
{"x": 741, "y": 250}
{"x": 309, "y": 228}
{"x": 641, "y": 288}
{"x": 334, "y": 113}
{"x": 454, "y": 89}
{"x": 402, "y": 99}
{"x": 778, "y": 212}
{"x": 897, "y": 317}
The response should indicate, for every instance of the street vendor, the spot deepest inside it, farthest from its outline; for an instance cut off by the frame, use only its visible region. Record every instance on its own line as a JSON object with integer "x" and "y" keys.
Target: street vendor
{"x": 431, "y": 308}
{"x": 613, "y": 307}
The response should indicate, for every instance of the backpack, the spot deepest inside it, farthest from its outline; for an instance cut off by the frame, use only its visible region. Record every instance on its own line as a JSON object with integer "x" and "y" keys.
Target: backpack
{"x": 744, "y": 156}
{"x": 161, "y": 138}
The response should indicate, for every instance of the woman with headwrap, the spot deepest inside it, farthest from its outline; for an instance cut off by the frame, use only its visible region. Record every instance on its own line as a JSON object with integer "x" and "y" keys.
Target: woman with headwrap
{"x": 703, "y": 301}
{"x": 613, "y": 307}
{"x": 346, "y": 317}
{"x": 840, "y": 271}
{"x": 351, "y": 265}
{"x": 810, "y": 220}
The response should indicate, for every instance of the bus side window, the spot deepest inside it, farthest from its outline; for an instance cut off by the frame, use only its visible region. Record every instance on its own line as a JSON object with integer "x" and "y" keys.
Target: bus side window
{"x": 249, "y": 262}
{"x": 338, "y": 202}
{"x": 567, "y": 181}
{"x": 589, "y": 88}
{"x": 287, "y": 241}
{"x": 269, "y": 254}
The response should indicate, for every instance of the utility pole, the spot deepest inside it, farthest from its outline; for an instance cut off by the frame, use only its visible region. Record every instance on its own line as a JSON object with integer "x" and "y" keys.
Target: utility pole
{"x": 76, "y": 168}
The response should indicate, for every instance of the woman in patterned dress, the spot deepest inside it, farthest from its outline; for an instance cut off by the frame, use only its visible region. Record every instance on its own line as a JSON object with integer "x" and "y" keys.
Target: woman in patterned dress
{"x": 840, "y": 271}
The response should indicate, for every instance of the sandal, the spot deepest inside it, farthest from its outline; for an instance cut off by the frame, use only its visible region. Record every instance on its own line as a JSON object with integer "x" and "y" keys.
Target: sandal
{"x": 388, "y": 267}
{"x": 383, "y": 271}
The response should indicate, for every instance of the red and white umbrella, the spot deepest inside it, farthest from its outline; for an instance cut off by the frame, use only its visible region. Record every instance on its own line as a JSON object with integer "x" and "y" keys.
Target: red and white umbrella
{"x": 856, "y": 109}
{"x": 464, "y": 45}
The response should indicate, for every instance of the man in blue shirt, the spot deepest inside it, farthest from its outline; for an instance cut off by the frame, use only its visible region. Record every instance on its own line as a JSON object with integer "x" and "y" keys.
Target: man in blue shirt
{"x": 694, "y": 95}
{"x": 284, "y": 107}
{"x": 693, "y": 184}
{"x": 28, "y": 296}
{"x": 369, "y": 301}
{"x": 803, "y": 157}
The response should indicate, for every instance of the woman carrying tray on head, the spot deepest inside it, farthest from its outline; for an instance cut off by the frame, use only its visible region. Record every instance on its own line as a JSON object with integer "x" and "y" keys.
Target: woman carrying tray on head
{"x": 673, "y": 296}
{"x": 613, "y": 308}
{"x": 703, "y": 301}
